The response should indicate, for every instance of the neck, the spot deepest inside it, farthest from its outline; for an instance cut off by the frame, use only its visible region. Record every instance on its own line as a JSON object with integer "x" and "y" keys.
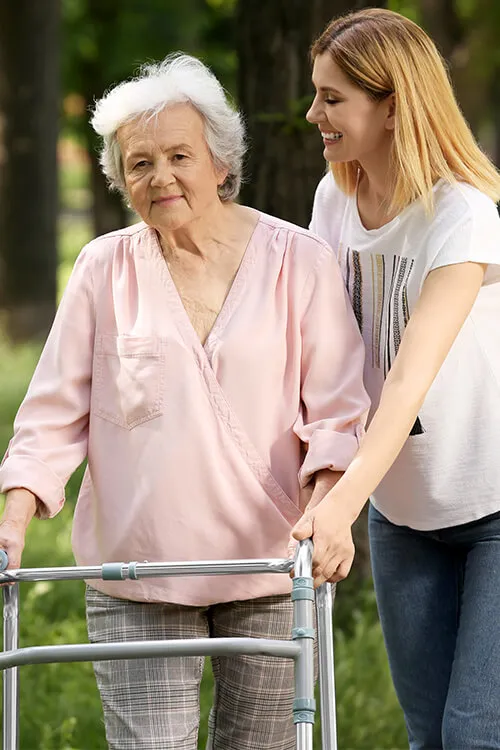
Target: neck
{"x": 375, "y": 176}
{"x": 203, "y": 236}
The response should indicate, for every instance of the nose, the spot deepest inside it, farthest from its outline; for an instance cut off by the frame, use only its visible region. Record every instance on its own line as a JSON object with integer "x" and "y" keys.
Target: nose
{"x": 163, "y": 174}
{"x": 314, "y": 114}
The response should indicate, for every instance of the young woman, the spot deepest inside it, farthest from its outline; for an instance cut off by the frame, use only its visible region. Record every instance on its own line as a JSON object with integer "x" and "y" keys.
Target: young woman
{"x": 409, "y": 206}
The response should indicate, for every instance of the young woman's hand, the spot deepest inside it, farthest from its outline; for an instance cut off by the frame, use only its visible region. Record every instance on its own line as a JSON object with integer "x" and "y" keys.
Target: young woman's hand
{"x": 331, "y": 529}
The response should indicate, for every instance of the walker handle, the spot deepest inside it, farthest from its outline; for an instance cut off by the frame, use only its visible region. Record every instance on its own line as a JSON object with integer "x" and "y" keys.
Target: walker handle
{"x": 4, "y": 560}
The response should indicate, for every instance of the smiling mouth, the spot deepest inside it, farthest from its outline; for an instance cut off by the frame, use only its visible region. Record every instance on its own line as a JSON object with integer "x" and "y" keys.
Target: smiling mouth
{"x": 332, "y": 137}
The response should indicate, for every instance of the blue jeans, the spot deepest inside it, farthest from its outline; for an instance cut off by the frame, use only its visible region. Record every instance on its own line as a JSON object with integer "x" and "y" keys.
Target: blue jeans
{"x": 438, "y": 595}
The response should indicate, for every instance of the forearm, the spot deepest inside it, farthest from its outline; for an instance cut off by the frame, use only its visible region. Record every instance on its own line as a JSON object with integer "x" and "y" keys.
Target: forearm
{"x": 324, "y": 481}
{"x": 20, "y": 507}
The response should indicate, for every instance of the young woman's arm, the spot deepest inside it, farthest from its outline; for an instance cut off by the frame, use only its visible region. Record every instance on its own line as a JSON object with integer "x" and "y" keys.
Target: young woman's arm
{"x": 447, "y": 297}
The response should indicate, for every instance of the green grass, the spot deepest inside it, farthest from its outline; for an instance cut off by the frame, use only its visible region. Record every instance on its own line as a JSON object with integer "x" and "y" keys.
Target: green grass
{"x": 60, "y": 708}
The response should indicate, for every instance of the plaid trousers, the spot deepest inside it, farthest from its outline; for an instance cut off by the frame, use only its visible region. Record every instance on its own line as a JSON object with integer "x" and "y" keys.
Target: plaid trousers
{"x": 153, "y": 704}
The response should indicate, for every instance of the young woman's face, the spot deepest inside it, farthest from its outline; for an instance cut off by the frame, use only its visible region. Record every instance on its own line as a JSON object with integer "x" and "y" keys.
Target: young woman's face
{"x": 354, "y": 127}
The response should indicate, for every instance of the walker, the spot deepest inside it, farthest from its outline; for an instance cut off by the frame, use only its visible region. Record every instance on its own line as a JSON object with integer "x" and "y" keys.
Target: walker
{"x": 300, "y": 648}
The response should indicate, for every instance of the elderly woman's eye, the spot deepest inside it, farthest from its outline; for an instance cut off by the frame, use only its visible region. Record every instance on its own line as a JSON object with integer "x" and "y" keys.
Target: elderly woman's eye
{"x": 140, "y": 164}
{"x": 179, "y": 157}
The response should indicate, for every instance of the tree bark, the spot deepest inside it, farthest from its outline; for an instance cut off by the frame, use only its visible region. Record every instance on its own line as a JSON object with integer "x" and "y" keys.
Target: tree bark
{"x": 108, "y": 210}
{"x": 29, "y": 103}
{"x": 455, "y": 41}
{"x": 285, "y": 159}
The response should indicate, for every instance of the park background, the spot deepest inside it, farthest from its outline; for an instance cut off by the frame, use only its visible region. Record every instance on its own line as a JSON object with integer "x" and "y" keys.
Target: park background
{"x": 56, "y": 57}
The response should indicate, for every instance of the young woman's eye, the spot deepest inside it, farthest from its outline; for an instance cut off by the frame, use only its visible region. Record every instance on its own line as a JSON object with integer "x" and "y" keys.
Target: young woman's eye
{"x": 332, "y": 101}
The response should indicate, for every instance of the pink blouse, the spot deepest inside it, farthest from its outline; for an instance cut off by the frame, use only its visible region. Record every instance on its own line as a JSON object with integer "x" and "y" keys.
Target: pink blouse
{"x": 194, "y": 452}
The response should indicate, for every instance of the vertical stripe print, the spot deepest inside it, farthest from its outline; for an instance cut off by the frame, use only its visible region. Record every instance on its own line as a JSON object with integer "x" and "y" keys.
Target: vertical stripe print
{"x": 378, "y": 291}
{"x": 397, "y": 314}
{"x": 357, "y": 288}
{"x": 390, "y": 308}
{"x": 404, "y": 295}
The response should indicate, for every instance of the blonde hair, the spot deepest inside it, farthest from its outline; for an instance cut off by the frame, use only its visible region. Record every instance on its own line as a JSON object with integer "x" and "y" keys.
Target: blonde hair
{"x": 385, "y": 53}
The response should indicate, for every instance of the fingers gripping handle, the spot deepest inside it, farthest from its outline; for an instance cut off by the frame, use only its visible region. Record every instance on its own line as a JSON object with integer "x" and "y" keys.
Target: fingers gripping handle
{"x": 4, "y": 560}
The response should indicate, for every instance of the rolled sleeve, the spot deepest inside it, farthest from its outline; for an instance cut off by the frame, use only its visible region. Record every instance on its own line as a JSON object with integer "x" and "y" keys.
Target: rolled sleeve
{"x": 329, "y": 450}
{"x": 51, "y": 427}
{"x": 334, "y": 401}
{"x": 38, "y": 478}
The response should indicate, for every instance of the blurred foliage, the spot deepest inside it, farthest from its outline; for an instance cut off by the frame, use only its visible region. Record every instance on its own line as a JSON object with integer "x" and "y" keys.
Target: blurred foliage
{"x": 105, "y": 41}
{"x": 467, "y": 33}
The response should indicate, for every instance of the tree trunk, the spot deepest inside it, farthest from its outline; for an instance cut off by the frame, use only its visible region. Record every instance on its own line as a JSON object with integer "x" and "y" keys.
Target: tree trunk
{"x": 108, "y": 209}
{"x": 455, "y": 41}
{"x": 285, "y": 160}
{"x": 29, "y": 103}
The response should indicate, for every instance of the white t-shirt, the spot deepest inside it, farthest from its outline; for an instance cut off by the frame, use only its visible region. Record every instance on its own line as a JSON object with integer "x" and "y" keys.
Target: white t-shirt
{"x": 448, "y": 471}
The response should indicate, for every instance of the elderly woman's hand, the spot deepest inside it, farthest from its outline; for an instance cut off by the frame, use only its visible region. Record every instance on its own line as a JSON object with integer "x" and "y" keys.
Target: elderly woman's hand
{"x": 12, "y": 539}
{"x": 20, "y": 508}
{"x": 330, "y": 526}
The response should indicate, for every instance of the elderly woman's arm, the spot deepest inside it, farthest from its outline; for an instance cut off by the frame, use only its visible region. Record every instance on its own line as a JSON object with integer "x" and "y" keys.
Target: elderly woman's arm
{"x": 51, "y": 427}
{"x": 334, "y": 400}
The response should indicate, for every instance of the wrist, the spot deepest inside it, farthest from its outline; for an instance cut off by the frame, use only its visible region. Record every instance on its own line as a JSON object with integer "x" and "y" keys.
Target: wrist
{"x": 326, "y": 478}
{"x": 339, "y": 501}
{"x": 20, "y": 507}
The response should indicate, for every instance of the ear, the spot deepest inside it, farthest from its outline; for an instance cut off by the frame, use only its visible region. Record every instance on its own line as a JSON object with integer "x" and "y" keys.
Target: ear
{"x": 221, "y": 176}
{"x": 390, "y": 102}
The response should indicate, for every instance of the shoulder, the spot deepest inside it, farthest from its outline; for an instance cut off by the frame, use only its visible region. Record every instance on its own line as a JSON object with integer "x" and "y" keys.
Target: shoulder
{"x": 329, "y": 207}
{"x": 458, "y": 204}
{"x": 327, "y": 187}
{"x": 329, "y": 197}
{"x": 466, "y": 227}
{"x": 295, "y": 241}
{"x": 102, "y": 249}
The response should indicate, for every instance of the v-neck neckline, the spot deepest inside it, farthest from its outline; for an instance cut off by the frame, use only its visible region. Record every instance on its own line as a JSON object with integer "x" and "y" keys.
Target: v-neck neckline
{"x": 230, "y": 301}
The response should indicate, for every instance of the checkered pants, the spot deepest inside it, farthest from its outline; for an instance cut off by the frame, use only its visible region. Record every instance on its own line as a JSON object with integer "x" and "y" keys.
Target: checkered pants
{"x": 153, "y": 704}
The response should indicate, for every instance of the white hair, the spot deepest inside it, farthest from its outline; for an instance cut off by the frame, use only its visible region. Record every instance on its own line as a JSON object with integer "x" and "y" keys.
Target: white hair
{"x": 179, "y": 78}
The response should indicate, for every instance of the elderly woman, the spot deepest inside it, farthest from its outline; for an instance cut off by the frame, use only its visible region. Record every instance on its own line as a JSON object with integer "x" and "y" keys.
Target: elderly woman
{"x": 208, "y": 364}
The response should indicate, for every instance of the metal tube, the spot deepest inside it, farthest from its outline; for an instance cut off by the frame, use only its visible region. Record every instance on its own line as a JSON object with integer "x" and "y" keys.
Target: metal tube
{"x": 304, "y": 736}
{"x": 149, "y": 570}
{"x": 10, "y": 718}
{"x": 148, "y": 649}
{"x": 324, "y": 612}
{"x": 303, "y": 633}
{"x": 303, "y": 559}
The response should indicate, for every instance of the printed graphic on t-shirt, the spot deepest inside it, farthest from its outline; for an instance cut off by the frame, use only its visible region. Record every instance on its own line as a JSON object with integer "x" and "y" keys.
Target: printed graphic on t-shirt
{"x": 378, "y": 288}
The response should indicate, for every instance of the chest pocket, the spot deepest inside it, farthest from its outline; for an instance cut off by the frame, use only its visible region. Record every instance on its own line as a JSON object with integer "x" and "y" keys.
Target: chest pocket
{"x": 128, "y": 379}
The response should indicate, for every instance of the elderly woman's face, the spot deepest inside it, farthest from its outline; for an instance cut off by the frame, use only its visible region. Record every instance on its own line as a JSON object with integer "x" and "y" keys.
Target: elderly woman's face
{"x": 169, "y": 173}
